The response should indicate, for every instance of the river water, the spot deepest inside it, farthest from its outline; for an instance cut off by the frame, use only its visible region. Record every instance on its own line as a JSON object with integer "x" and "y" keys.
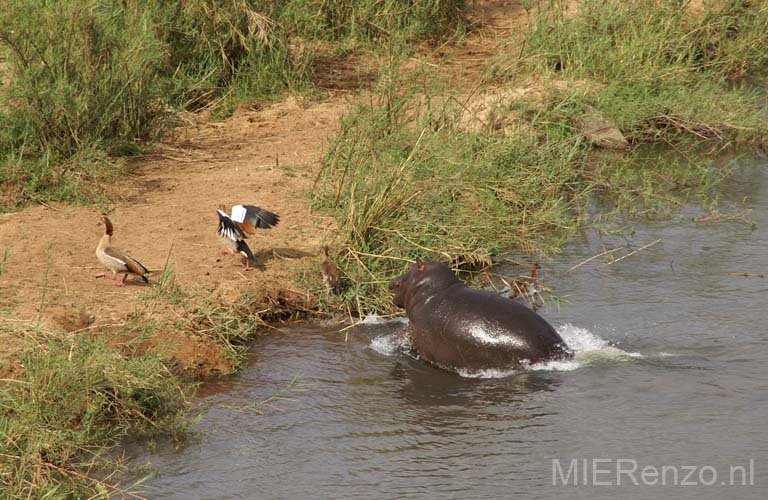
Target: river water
{"x": 667, "y": 397}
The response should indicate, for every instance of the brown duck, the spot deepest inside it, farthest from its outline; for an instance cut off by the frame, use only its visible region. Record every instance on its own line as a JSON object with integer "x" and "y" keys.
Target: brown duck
{"x": 330, "y": 271}
{"x": 115, "y": 259}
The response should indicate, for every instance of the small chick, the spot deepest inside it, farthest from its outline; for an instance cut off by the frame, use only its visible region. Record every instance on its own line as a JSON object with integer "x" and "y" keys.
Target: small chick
{"x": 330, "y": 271}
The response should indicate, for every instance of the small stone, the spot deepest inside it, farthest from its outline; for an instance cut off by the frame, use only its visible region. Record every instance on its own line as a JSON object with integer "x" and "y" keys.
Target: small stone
{"x": 600, "y": 131}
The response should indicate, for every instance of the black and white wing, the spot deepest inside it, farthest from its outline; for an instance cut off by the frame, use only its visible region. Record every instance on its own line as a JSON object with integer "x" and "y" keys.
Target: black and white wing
{"x": 228, "y": 228}
{"x": 250, "y": 218}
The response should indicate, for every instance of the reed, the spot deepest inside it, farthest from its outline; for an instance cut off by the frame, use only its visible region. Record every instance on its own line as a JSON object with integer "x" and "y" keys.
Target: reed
{"x": 6, "y": 256}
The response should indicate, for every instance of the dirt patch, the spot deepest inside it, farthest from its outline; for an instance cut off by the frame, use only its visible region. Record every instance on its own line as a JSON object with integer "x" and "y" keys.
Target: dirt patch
{"x": 188, "y": 353}
{"x": 11, "y": 365}
{"x": 166, "y": 213}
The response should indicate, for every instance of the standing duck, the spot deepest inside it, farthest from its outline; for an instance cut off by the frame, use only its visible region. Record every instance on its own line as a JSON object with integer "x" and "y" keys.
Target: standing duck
{"x": 115, "y": 259}
{"x": 242, "y": 223}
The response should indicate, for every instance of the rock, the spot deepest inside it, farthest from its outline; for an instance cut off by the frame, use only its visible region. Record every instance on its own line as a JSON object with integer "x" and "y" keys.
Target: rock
{"x": 600, "y": 131}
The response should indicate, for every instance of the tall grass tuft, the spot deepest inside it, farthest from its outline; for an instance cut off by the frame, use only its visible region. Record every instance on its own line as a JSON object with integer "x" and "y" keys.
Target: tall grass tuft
{"x": 84, "y": 74}
{"x": 85, "y": 79}
{"x": 220, "y": 48}
{"x": 375, "y": 22}
{"x": 662, "y": 44}
{"x": 404, "y": 181}
{"x": 4, "y": 262}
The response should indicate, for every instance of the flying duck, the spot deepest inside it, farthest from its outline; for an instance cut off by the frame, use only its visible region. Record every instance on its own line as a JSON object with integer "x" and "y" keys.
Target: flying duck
{"x": 116, "y": 260}
{"x": 242, "y": 223}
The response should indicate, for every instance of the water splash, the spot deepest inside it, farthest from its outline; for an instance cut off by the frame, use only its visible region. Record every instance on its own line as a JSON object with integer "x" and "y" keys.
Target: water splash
{"x": 374, "y": 319}
{"x": 391, "y": 343}
{"x": 588, "y": 348}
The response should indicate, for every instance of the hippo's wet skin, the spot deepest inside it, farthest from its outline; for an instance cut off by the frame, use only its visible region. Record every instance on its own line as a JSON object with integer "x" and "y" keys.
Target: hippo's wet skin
{"x": 457, "y": 327}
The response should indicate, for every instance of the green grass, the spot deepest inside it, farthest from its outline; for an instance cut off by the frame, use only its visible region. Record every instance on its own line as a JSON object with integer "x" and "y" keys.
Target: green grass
{"x": 84, "y": 79}
{"x": 77, "y": 398}
{"x": 374, "y": 24}
{"x": 223, "y": 52}
{"x": 82, "y": 73}
{"x": 656, "y": 69}
{"x": 405, "y": 177}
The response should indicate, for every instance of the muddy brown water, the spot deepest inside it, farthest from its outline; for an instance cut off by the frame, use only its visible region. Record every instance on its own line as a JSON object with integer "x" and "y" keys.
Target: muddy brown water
{"x": 667, "y": 397}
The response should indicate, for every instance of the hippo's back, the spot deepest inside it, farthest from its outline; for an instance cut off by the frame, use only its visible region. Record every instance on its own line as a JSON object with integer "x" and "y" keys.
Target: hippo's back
{"x": 478, "y": 330}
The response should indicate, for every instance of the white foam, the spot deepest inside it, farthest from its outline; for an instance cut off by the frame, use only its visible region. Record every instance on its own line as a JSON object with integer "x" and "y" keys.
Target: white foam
{"x": 490, "y": 373}
{"x": 374, "y": 319}
{"x": 390, "y": 344}
{"x": 580, "y": 339}
{"x": 557, "y": 365}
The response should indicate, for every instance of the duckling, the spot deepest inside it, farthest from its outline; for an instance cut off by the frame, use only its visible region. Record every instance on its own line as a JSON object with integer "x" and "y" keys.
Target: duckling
{"x": 330, "y": 271}
{"x": 234, "y": 229}
{"x": 525, "y": 287}
{"x": 116, "y": 259}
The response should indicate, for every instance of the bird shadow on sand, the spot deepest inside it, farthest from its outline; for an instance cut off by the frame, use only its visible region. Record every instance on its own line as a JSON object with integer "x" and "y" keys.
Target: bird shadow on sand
{"x": 262, "y": 257}
{"x": 131, "y": 281}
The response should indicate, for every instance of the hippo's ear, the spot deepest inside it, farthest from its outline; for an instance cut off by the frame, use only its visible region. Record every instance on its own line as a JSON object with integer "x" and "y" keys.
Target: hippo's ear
{"x": 420, "y": 265}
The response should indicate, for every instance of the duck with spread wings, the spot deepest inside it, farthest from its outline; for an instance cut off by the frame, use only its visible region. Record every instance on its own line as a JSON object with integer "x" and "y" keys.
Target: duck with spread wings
{"x": 243, "y": 222}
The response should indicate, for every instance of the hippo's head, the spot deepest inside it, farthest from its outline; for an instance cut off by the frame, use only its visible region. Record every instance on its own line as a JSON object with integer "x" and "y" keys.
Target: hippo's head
{"x": 398, "y": 286}
{"x": 421, "y": 278}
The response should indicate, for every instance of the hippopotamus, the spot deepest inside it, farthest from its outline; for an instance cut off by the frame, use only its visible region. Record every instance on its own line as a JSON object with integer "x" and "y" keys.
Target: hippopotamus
{"x": 459, "y": 328}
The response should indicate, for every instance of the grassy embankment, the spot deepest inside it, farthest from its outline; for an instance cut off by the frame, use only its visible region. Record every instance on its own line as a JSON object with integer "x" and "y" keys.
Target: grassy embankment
{"x": 81, "y": 393}
{"x": 77, "y": 397}
{"x": 406, "y": 177}
{"x": 86, "y": 82}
